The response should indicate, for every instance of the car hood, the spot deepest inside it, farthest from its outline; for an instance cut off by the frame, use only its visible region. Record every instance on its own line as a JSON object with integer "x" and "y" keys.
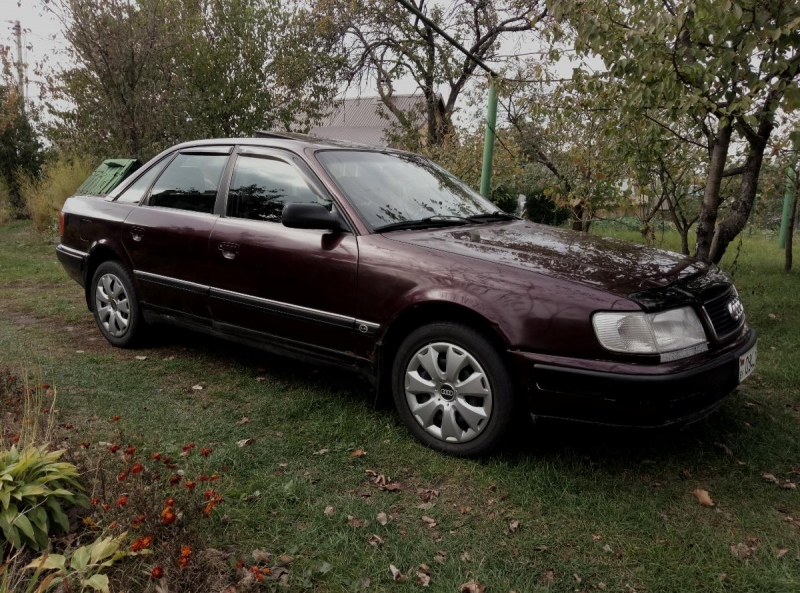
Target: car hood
{"x": 621, "y": 267}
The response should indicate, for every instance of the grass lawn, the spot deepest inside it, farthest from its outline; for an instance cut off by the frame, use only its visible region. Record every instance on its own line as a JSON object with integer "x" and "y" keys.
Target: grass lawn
{"x": 596, "y": 509}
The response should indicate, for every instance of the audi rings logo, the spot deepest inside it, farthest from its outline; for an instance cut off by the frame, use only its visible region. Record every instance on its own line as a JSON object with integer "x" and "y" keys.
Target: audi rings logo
{"x": 735, "y": 309}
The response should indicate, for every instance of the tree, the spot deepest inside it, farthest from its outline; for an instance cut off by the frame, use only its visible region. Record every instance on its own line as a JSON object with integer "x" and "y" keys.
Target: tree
{"x": 20, "y": 147}
{"x": 150, "y": 73}
{"x": 383, "y": 42}
{"x": 729, "y": 66}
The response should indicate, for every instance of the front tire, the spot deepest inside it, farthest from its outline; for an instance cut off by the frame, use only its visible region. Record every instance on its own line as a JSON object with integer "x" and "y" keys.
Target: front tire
{"x": 452, "y": 389}
{"x": 116, "y": 305}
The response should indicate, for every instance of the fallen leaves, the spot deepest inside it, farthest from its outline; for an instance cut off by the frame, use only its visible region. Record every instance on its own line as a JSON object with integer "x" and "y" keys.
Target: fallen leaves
{"x": 244, "y": 420}
{"x": 431, "y": 522}
{"x": 424, "y": 575}
{"x": 141, "y": 358}
{"x": 358, "y": 453}
{"x": 397, "y": 576}
{"x": 382, "y": 518}
{"x": 741, "y": 551}
{"x": 197, "y": 388}
{"x": 329, "y": 511}
{"x": 781, "y": 552}
{"x": 440, "y": 556}
{"x": 770, "y": 478}
{"x": 354, "y": 521}
{"x": 375, "y": 541}
{"x": 703, "y": 497}
{"x": 321, "y": 452}
{"x": 513, "y": 526}
{"x": 786, "y": 485}
{"x": 245, "y": 442}
{"x": 472, "y": 587}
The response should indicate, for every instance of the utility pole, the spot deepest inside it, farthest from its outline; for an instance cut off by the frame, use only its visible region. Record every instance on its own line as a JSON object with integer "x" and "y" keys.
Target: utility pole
{"x": 20, "y": 65}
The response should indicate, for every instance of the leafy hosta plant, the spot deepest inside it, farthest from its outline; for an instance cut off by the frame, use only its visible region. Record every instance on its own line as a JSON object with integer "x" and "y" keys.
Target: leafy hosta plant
{"x": 83, "y": 568}
{"x": 34, "y": 486}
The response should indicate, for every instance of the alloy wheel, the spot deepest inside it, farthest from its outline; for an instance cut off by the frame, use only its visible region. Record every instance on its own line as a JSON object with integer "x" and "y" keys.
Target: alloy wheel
{"x": 448, "y": 392}
{"x": 112, "y": 305}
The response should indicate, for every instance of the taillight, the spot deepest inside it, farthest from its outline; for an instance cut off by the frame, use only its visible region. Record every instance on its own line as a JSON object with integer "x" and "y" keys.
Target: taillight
{"x": 61, "y": 223}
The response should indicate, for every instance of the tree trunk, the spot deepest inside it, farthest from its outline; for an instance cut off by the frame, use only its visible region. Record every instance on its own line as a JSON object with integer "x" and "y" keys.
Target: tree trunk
{"x": 711, "y": 199}
{"x": 735, "y": 221}
{"x": 787, "y": 266}
{"x": 577, "y": 218}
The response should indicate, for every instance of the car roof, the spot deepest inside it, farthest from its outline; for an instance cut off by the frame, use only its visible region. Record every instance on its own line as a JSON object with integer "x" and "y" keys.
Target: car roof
{"x": 289, "y": 140}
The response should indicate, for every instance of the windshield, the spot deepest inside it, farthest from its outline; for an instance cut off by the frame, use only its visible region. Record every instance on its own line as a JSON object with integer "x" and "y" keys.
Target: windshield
{"x": 390, "y": 188}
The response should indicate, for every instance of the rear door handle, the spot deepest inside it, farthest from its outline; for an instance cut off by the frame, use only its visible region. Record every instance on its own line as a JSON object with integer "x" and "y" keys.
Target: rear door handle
{"x": 229, "y": 250}
{"x": 137, "y": 233}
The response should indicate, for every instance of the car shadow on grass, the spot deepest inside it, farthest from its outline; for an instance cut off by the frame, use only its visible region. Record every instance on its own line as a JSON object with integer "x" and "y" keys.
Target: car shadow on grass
{"x": 542, "y": 439}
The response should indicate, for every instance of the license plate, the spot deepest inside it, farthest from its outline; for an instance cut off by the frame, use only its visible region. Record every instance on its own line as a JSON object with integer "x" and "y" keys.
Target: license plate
{"x": 747, "y": 362}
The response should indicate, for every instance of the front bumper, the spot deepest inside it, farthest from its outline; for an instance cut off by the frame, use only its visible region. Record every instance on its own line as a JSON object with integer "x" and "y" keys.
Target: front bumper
{"x": 73, "y": 262}
{"x": 625, "y": 394}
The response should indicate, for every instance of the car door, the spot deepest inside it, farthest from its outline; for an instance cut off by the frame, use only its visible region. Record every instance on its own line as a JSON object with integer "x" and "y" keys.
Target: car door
{"x": 167, "y": 236}
{"x": 298, "y": 286}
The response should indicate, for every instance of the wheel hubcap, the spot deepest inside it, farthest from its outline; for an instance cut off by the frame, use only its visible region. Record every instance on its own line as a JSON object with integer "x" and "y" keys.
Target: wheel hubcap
{"x": 111, "y": 304}
{"x": 448, "y": 392}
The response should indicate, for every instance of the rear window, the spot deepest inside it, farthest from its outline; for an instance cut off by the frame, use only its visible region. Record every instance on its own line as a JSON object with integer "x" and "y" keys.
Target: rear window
{"x": 134, "y": 193}
{"x": 189, "y": 183}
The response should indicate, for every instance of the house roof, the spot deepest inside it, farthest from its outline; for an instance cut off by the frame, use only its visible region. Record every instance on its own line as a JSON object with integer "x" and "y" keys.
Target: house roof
{"x": 364, "y": 120}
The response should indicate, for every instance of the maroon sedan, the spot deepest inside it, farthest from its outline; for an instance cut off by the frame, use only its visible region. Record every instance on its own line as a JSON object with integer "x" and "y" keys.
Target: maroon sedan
{"x": 381, "y": 262}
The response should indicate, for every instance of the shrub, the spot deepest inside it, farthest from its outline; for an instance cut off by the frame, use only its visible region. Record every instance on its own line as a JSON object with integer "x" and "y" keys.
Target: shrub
{"x": 82, "y": 570}
{"x": 6, "y": 208}
{"x": 33, "y": 487}
{"x": 45, "y": 196}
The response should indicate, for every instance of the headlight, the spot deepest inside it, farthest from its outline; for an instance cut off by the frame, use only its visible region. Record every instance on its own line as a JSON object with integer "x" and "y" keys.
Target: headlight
{"x": 650, "y": 333}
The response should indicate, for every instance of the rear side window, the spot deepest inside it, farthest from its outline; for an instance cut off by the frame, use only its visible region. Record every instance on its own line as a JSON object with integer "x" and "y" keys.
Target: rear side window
{"x": 261, "y": 187}
{"x": 189, "y": 183}
{"x": 135, "y": 192}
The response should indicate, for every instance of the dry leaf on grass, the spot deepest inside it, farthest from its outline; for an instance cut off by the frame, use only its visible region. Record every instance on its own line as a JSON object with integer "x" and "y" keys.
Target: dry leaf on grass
{"x": 329, "y": 511}
{"x": 789, "y": 485}
{"x": 374, "y": 540}
{"x": 541, "y": 548}
{"x": 607, "y": 548}
{"x": 321, "y": 452}
{"x": 465, "y": 557}
{"x": 353, "y": 521}
{"x": 770, "y": 478}
{"x": 197, "y": 388}
{"x": 741, "y": 551}
{"x": 244, "y": 442}
{"x": 430, "y": 521}
{"x": 781, "y": 552}
{"x": 244, "y": 420}
{"x": 703, "y": 497}
{"x": 358, "y": 453}
{"x": 398, "y": 576}
{"x": 549, "y": 576}
{"x": 440, "y": 556}
{"x": 141, "y": 358}
{"x": 423, "y": 575}
{"x": 382, "y": 518}
{"x": 472, "y": 587}
{"x": 513, "y": 526}
{"x": 261, "y": 556}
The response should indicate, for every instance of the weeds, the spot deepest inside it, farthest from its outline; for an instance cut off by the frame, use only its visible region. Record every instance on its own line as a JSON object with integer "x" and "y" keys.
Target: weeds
{"x": 45, "y": 196}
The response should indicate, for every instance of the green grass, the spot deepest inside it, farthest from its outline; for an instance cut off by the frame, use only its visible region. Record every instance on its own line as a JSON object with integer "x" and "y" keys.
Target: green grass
{"x": 572, "y": 488}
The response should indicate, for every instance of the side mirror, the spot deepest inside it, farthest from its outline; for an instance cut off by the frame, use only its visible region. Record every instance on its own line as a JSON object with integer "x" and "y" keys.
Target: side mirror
{"x": 309, "y": 216}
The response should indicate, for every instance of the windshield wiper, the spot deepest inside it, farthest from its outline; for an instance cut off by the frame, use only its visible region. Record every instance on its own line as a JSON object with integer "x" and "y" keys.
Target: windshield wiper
{"x": 492, "y": 216}
{"x": 430, "y": 221}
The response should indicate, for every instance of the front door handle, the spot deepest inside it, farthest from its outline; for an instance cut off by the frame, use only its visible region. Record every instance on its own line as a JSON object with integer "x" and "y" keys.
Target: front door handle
{"x": 137, "y": 233}
{"x": 229, "y": 250}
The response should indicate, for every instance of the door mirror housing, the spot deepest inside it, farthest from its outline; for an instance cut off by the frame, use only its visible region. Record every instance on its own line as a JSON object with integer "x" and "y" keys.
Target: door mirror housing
{"x": 310, "y": 216}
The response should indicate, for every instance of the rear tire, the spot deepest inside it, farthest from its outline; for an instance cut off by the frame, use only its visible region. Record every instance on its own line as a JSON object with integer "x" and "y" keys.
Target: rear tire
{"x": 116, "y": 305}
{"x": 452, "y": 389}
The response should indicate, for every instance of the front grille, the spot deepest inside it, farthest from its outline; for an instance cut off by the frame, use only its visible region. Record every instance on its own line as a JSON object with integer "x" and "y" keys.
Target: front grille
{"x": 719, "y": 315}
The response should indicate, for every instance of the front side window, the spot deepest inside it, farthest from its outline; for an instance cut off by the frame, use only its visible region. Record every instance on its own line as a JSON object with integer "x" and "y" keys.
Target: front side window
{"x": 262, "y": 186}
{"x": 189, "y": 183}
{"x": 134, "y": 193}
{"x": 389, "y": 188}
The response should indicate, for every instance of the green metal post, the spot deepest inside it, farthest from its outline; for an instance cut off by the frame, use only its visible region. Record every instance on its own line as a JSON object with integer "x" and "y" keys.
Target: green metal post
{"x": 791, "y": 179}
{"x": 488, "y": 142}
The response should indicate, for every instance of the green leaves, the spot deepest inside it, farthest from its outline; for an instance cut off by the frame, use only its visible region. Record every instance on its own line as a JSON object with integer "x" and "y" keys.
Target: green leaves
{"x": 33, "y": 487}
